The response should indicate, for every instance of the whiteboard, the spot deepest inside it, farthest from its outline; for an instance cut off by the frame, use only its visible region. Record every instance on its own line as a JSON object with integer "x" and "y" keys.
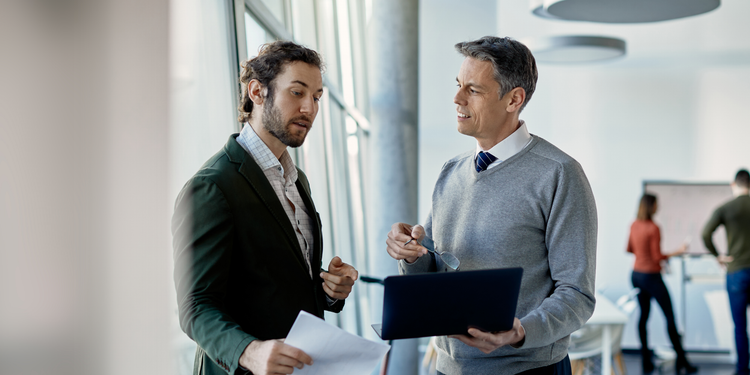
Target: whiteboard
{"x": 683, "y": 210}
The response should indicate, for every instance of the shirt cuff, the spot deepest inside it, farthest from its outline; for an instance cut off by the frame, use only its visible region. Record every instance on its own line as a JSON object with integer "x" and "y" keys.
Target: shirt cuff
{"x": 331, "y": 301}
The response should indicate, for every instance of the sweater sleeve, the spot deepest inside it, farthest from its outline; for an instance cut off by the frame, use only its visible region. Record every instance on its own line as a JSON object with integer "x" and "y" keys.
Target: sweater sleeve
{"x": 571, "y": 244}
{"x": 708, "y": 232}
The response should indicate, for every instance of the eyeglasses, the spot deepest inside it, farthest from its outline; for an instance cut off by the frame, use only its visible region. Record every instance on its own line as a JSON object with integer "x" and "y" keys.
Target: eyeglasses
{"x": 447, "y": 258}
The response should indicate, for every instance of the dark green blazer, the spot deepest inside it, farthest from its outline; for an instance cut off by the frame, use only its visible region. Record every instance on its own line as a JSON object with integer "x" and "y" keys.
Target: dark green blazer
{"x": 239, "y": 271}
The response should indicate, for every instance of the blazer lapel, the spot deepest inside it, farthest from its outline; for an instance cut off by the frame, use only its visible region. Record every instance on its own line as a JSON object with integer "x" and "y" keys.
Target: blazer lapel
{"x": 259, "y": 182}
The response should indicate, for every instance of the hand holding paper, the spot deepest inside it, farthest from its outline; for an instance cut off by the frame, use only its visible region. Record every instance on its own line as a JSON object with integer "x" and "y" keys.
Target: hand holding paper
{"x": 333, "y": 350}
{"x": 273, "y": 357}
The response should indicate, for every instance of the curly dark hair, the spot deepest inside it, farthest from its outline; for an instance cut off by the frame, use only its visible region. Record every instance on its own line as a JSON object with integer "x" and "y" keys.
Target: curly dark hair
{"x": 512, "y": 62}
{"x": 271, "y": 59}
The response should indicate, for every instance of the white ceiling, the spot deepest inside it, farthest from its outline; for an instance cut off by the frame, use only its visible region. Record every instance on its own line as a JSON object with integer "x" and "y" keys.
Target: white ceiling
{"x": 719, "y": 37}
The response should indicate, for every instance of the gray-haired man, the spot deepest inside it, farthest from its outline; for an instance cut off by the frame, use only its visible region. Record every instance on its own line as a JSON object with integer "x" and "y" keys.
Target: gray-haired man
{"x": 515, "y": 201}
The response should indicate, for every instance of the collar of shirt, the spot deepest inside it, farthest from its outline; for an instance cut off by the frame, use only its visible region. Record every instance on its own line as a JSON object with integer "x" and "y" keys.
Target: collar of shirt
{"x": 255, "y": 146}
{"x": 509, "y": 146}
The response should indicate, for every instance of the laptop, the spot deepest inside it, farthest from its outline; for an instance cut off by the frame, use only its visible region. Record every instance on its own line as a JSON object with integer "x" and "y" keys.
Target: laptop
{"x": 447, "y": 303}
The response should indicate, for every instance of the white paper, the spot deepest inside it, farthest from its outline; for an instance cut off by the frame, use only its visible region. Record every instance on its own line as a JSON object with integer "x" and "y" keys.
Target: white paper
{"x": 333, "y": 350}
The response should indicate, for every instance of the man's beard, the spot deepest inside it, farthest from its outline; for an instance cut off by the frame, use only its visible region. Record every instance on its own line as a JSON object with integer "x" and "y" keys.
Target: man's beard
{"x": 273, "y": 123}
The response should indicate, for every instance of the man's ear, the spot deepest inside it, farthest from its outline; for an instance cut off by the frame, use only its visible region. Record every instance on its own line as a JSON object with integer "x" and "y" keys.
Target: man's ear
{"x": 517, "y": 96}
{"x": 256, "y": 91}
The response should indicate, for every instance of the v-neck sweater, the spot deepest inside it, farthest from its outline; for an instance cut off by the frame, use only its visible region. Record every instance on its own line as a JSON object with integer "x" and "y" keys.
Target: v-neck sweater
{"x": 536, "y": 211}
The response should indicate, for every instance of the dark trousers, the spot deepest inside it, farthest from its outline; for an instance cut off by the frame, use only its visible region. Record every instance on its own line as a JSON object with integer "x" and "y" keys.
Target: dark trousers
{"x": 738, "y": 288}
{"x": 559, "y": 368}
{"x": 652, "y": 286}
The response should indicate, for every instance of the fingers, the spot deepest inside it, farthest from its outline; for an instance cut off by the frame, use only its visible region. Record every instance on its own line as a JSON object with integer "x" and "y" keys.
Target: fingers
{"x": 402, "y": 228}
{"x": 339, "y": 293}
{"x": 400, "y": 232}
{"x": 296, "y": 354}
{"x": 418, "y": 232}
{"x": 397, "y": 250}
{"x": 335, "y": 262}
{"x": 336, "y": 280}
{"x": 351, "y": 272}
{"x": 336, "y": 286}
{"x": 273, "y": 357}
{"x": 488, "y": 342}
{"x": 338, "y": 267}
{"x": 485, "y": 346}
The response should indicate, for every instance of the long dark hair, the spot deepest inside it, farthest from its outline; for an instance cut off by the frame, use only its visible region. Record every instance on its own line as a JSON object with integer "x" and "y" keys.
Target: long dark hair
{"x": 646, "y": 207}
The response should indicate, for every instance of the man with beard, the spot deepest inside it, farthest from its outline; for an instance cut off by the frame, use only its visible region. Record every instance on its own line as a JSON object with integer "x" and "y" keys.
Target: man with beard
{"x": 247, "y": 237}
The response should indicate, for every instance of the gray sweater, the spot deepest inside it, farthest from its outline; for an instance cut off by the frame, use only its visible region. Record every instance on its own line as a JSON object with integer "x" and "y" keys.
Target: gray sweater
{"x": 536, "y": 211}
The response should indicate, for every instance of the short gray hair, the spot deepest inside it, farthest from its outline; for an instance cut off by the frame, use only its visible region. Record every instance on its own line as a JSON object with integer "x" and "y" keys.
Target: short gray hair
{"x": 512, "y": 62}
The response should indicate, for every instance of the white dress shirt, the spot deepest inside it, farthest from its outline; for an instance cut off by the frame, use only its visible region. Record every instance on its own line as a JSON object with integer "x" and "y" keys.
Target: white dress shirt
{"x": 509, "y": 146}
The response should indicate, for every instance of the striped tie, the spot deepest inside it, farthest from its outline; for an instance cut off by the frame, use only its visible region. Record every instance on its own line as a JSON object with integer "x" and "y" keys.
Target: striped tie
{"x": 484, "y": 159}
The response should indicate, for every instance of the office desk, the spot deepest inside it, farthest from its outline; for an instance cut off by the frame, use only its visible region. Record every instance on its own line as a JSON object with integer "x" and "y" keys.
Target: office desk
{"x": 608, "y": 316}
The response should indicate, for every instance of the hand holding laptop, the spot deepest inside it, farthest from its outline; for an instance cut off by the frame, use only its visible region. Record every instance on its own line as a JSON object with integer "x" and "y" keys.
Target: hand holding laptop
{"x": 488, "y": 342}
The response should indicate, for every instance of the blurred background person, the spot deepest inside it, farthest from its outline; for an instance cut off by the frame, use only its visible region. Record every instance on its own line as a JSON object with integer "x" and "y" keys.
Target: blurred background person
{"x": 645, "y": 243}
{"x": 735, "y": 217}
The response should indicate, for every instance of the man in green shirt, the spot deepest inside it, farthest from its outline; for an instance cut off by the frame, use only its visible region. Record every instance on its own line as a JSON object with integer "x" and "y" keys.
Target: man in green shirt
{"x": 735, "y": 216}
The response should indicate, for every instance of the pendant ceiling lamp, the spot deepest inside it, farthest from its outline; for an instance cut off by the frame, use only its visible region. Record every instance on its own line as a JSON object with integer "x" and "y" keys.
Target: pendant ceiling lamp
{"x": 575, "y": 49}
{"x": 621, "y": 11}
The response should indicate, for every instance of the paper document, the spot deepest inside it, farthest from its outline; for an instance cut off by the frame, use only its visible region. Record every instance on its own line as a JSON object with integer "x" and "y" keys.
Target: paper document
{"x": 333, "y": 350}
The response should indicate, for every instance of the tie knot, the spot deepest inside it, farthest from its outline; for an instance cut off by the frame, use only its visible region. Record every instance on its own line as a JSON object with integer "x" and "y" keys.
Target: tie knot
{"x": 484, "y": 159}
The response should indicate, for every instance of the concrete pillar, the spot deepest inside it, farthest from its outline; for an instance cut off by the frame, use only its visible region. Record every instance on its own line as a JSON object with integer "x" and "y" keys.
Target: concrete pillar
{"x": 393, "y": 66}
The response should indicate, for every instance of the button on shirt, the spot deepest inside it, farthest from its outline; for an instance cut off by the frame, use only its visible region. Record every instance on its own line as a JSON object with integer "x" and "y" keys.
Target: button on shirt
{"x": 509, "y": 146}
{"x": 282, "y": 174}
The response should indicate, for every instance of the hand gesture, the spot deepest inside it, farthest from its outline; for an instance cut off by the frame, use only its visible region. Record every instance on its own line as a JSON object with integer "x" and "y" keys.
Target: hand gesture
{"x": 339, "y": 279}
{"x": 680, "y": 250}
{"x": 724, "y": 260}
{"x": 403, "y": 242}
{"x": 487, "y": 342}
{"x": 273, "y": 357}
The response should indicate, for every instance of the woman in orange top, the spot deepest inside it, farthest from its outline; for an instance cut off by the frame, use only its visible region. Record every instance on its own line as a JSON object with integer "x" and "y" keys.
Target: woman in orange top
{"x": 644, "y": 242}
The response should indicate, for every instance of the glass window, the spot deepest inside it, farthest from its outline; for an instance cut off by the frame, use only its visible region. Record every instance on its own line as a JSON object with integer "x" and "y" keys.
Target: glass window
{"x": 255, "y": 35}
{"x": 277, "y": 8}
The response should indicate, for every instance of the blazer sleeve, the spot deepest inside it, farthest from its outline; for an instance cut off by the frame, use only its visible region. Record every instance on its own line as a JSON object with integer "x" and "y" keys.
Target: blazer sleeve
{"x": 202, "y": 229}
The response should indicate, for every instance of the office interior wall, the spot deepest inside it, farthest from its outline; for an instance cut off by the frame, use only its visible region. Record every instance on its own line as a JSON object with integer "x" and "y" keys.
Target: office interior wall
{"x": 442, "y": 24}
{"x": 83, "y": 187}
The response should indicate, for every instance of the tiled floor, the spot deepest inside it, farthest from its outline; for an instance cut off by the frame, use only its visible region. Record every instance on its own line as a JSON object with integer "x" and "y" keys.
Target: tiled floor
{"x": 708, "y": 364}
